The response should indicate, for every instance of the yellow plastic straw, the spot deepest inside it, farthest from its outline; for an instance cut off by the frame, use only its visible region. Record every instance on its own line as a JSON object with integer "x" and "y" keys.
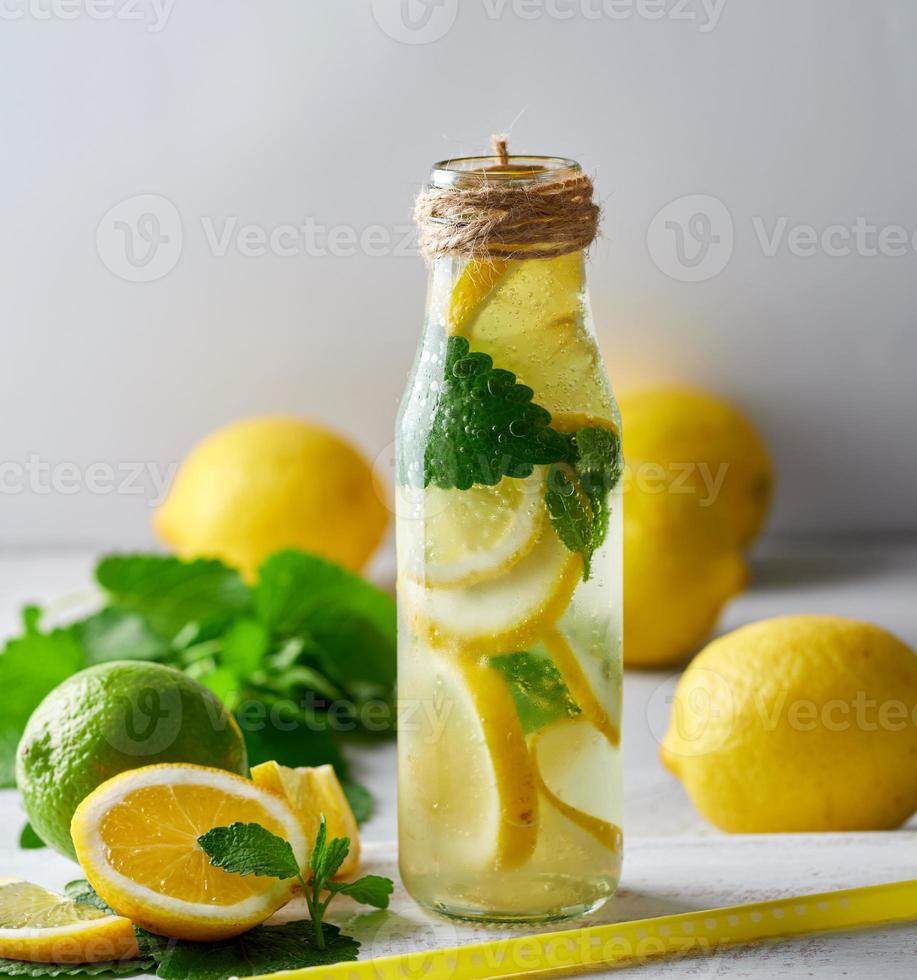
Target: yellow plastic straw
{"x": 578, "y": 950}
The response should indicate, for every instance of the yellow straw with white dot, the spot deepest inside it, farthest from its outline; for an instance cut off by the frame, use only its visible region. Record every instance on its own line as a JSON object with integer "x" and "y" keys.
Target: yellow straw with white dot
{"x": 578, "y": 950}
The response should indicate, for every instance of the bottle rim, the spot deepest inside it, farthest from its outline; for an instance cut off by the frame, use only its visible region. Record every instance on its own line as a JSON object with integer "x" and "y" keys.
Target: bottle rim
{"x": 519, "y": 169}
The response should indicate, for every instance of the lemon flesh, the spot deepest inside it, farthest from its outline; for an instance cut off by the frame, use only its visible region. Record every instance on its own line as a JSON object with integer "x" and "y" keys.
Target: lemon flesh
{"x": 136, "y": 838}
{"x": 41, "y": 926}
{"x": 503, "y": 614}
{"x": 532, "y": 323}
{"x": 481, "y": 810}
{"x": 472, "y": 289}
{"x": 470, "y": 536}
{"x": 566, "y": 756}
{"x": 314, "y": 791}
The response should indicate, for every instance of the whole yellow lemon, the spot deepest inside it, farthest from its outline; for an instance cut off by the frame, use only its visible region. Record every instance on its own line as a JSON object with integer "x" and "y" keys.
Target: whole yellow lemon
{"x": 680, "y": 568}
{"x": 262, "y": 484}
{"x": 703, "y": 443}
{"x": 799, "y": 723}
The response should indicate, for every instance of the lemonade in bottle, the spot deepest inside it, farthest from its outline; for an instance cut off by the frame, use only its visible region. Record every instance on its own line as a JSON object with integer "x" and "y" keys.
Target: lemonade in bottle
{"x": 509, "y": 556}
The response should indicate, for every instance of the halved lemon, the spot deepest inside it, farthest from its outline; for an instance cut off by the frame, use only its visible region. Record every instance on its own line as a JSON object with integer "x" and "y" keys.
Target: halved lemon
{"x": 468, "y": 787}
{"x": 570, "y": 759}
{"x": 473, "y": 535}
{"x": 136, "y": 838}
{"x": 502, "y": 614}
{"x": 43, "y": 927}
{"x": 311, "y": 792}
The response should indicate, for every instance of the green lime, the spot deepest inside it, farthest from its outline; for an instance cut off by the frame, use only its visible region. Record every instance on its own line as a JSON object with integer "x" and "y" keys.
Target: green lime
{"x": 113, "y": 717}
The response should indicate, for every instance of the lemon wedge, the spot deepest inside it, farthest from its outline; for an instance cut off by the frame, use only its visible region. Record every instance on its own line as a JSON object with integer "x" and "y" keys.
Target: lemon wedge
{"x": 43, "y": 927}
{"x": 136, "y": 838}
{"x": 479, "y": 811}
{"x": 503, "y": 614}
{"x": 470, "y": 536}
{"x": 312, "y": 791}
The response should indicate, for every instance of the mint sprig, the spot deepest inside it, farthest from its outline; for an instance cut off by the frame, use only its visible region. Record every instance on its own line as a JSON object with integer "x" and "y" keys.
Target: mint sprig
{"x": 486, "y": 427}
{"x": 250, "y": 849}
{"x": 298, "y": 657}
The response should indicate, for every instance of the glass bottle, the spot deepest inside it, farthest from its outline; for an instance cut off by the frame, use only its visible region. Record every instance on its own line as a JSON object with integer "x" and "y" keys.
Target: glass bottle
{"x": 509, "y": 587}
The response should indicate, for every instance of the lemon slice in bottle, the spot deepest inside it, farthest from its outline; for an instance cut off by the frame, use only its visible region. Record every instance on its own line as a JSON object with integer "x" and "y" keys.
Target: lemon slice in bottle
{"x": 502, "y": 614}
{"x": 480, "y": 811}
{"x": 550, "y": 348}
{"x": 477, "y": 534}
{"x": 472, "y": 289}
{"x": 566, "y": 756}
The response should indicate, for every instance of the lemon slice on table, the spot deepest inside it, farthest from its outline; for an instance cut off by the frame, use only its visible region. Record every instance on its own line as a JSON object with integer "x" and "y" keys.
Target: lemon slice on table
{"x": 43, "y": 927}
{"x": 480, "y": 810}
{"x": 136, "y": 838}
{"x": 473, "y": 535}
{"x": 567, "y": 756}
{"x": 311, "y": 792}
{"x": 502, "y": 614}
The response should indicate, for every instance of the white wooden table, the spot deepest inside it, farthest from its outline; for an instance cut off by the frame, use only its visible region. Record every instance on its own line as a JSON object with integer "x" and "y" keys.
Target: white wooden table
{"x": 674, "y": 860}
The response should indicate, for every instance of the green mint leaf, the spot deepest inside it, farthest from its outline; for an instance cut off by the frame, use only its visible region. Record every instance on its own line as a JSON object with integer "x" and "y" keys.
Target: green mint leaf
{"x": 327, "y": 855}
{"x": 21, "y": 968}
{"x": 249, "y": 849}
{"x": 220, "y": 681}
{"x": 31, "y": 666}
{"x": 370, "y": 890}
{"x": 115, "y": 634}
{"x": 170, "y": 593}
{"x": 485, "y": 425}
{"x": 598, "y": 454}
{"x": 360, "y": 800}
{"x": 264, "y": 949}
{"x": 577, "y": 500}
{"x": 599, "y": 466}
{"x": 29, "y": 840}
{"x": 349, "y": 623}
{"x": 539, "y": 692}
{"x": 245, "y": 645}
{"x": 570, "y": 514}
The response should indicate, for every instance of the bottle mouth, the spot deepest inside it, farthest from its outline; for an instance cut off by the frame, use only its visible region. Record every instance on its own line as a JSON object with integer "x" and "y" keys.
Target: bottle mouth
{"x": 475, "y": 171}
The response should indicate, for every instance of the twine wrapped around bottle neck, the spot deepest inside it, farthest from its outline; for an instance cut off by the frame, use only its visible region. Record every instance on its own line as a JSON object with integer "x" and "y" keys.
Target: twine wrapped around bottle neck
{"x": 509, "y": 218}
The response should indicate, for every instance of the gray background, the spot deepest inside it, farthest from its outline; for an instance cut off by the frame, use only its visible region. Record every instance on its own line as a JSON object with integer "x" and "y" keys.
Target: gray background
{"x": 212, "y": 115}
